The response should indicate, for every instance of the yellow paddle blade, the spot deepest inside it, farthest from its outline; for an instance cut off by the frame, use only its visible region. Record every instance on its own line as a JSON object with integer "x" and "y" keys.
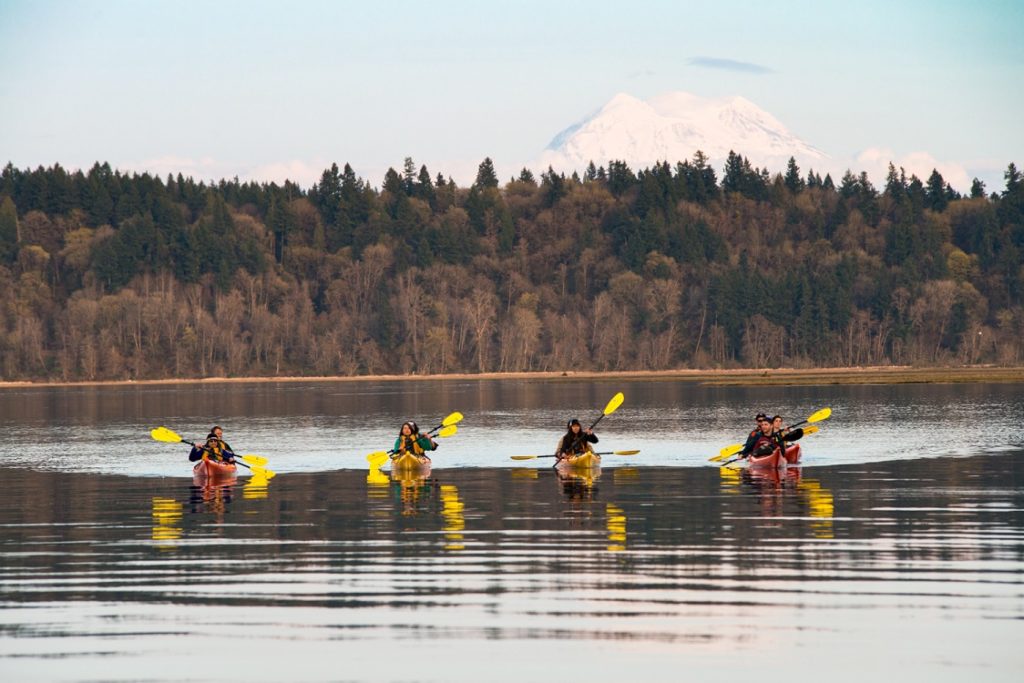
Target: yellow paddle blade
{"x": 810, "y": 430}
{"x": 822, "y": 414}
{"x": 263, "y": 473}
{"x": 377, "y": 478}
{"x": 525, "y": 457}
{"x": 614, "y": 404}
{"x": 165, "y": 434}
{"x": 625, "y": 452}
{"x": 454, "y": 418}
{"x": 377, "y": 459}
{"x": 450, "y": 430}
{"x": 253, "y": 459}
{"x": 727, "y": 452}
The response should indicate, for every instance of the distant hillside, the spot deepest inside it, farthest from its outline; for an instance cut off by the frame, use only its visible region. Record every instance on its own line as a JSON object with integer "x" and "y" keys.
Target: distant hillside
{"x": 114, "y": 276}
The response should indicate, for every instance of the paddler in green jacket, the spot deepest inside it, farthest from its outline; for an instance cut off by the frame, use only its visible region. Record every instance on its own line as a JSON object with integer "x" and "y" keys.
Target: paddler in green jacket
{"x": 411, "y": 441}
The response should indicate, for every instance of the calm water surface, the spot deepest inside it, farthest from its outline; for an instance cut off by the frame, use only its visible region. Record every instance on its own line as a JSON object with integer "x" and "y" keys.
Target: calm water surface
{"x": 896, "y": 549}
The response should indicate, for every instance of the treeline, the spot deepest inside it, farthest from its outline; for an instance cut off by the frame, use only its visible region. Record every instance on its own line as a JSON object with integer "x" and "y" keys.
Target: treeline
{"x": 114, "y": 276}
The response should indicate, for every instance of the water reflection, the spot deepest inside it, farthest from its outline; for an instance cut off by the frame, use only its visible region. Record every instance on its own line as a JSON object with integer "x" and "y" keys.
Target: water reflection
{"x": 783, "y": 492}
{"x": 615, "y": 569}
{"x": 167, "y": 515}
{"x": 579, "y": 484}
{"x": 454, "y": 520}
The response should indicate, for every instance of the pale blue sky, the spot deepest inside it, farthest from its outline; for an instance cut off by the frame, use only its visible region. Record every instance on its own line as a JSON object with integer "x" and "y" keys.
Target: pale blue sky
{"x": 266, "y": 89}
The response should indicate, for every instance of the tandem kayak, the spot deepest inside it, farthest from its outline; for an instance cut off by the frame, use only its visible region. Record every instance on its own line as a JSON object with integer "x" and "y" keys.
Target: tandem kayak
{"x": 208, "y": 469}
{"x": 776, "y": 458}
{"x": 580, "y": 462}
{"x": 409, "y": 462}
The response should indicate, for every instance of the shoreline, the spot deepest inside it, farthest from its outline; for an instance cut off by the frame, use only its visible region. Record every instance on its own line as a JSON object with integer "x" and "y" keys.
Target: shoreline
{"x": 731, "y": 377}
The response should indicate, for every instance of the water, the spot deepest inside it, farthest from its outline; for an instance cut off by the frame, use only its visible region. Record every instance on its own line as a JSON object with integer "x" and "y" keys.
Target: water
{"x": 897, "y": 549}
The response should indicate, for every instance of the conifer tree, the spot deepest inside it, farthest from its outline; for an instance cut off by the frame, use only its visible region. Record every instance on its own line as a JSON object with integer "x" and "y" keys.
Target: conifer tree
{"x": 485, "y": 176}
{"x": 9, "y": 233}
{"x": 792, "y": 178}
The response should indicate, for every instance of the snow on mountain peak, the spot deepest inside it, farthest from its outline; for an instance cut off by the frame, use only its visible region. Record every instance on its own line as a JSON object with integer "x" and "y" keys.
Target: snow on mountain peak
{"x": 672, "y": 127}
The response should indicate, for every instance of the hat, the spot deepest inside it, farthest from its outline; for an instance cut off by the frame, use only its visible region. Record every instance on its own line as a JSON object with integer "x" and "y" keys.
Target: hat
{"x": 572, "y": 422}
{"x": 760, "y": 416}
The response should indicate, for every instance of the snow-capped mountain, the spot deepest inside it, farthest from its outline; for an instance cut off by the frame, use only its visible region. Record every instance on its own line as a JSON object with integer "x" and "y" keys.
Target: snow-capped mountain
{"x": 672, "y": 127}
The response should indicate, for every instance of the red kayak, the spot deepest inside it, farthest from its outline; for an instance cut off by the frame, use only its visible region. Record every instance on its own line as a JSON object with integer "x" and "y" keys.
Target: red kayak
{"x": 208, "y": 469}
{"x": 776, "y": 458}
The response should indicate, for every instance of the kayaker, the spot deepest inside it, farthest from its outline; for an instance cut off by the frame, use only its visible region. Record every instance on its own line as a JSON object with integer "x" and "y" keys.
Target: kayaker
{"x": 784, "y": 434}
{"x": 753, "y": 436}
{"x": 764, "y": 441}
{"x": 411, "y": 441}
{"x": 575, "y": 441}
{"x": 215, "y": 447}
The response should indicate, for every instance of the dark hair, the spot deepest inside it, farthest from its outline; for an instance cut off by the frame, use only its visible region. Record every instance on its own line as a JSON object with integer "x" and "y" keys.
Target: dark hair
{"x": 413, "y": 429}
{"x": 213, "y": 430}
{"x": 570, "y": 423}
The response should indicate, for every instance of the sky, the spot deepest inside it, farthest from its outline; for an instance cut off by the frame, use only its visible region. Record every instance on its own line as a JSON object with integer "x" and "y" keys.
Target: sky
{"x": 272, "y": 90}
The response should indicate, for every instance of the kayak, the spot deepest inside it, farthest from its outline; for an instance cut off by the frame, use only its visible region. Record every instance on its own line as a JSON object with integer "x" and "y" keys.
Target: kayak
{"x": 208, "y": 469}
{"x": 408, "y": 462}
{"x": 580, "y": 462}
{"x": 776, "y": 458}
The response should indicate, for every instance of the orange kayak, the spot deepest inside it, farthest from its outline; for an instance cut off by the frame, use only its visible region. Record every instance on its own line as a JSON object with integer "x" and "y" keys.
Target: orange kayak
{"x": 776, "y": 458}
{"x": 208, "y": 469}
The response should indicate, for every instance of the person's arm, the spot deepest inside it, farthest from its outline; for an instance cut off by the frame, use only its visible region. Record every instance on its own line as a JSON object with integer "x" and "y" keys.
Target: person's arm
{"x": 427, "y": 443}
{"x": 749, "y": 445}
{"x": 398, "y": 445}
{"x": 195, "y": 454}
{"x": 591, "y": 437}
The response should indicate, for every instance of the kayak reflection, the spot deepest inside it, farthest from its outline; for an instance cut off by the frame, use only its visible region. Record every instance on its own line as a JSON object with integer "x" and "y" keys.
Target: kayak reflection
{"x": 784, "y": 492}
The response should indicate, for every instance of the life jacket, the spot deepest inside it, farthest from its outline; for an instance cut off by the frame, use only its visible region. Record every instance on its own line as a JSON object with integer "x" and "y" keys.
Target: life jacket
{"x": 410, "y": 444}
{"x": 577, "y": 446}
{"x": 764, "y": 446}
{"x": 215, "y": 448}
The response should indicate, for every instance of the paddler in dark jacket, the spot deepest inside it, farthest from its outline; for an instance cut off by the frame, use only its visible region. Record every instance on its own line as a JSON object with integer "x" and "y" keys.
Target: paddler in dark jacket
{"x": 576, "y": 440}
{"x": 761, "y": 443}
{"x": 782, "y": 435}
{"x": 753, "y": 437}
{"x": 411, "y": 441}
{"x": 215, "y": 447}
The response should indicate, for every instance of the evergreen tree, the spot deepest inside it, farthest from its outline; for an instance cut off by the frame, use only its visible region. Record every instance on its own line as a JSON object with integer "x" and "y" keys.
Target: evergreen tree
{"x": 977, "y": 189}
{"x": 9, "y": 233}
{"x": 793, "y": 181}
{"x": 526, "y": 176}
{"x": 935, "y": 197}
{"x": 485, "y": 176}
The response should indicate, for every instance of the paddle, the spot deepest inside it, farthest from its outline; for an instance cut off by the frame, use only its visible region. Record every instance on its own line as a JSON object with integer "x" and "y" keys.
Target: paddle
{"x": 447, "y": 427}
{"x": 533, "y": 457}
{"x": 166, "y": 435}
{"x": 727, "y": 452}
{"x": 822, "y": 414}
{"x": 612, "y": 406}
{"x": 795, "y": 435}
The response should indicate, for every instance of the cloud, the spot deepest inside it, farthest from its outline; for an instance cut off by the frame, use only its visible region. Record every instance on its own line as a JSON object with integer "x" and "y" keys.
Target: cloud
{"x": 876, "y": 160}
{"x": 730, "y": 65}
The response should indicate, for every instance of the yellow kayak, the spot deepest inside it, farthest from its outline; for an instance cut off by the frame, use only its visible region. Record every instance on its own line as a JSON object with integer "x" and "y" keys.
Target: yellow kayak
{"x": 408, "y": 462}
{"x": 582, "y": 461}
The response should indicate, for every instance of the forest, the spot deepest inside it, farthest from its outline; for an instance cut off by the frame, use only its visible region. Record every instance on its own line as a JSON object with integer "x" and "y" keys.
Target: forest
{"x": 116, "y": 276}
